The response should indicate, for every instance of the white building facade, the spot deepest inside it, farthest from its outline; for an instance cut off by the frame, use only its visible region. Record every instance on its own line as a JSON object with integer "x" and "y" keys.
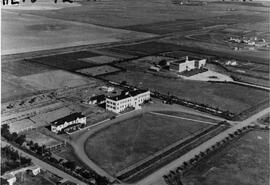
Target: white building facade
{"x": 72, "y": 119}
{"x": 191, "y": 64}
{"x": 133, "y": 99}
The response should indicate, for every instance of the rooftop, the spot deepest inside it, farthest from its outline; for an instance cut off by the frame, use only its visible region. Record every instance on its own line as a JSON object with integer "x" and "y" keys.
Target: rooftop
{"x": 183, "y": 59}
{"x": 68, "y": 118}
{"x": 98, "y": 97}
{"x": 8, "y": 176}
{"x": 126, "y": 94}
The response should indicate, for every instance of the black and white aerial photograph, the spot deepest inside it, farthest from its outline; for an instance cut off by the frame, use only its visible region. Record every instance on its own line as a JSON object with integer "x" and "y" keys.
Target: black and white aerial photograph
{"x": 135, "y": 92}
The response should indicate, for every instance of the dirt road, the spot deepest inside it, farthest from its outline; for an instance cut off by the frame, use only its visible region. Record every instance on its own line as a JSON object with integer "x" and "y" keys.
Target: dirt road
{"x": 47, "y": 166}
{"x": 156, "y": 177}
{"x": 78, "y": 139}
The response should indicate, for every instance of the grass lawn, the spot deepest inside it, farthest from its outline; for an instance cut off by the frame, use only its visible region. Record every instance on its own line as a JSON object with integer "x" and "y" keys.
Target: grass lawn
{"x": 230, "y": 97}
{"x": 244, "y": 162}
{"x": 132, "y": 140}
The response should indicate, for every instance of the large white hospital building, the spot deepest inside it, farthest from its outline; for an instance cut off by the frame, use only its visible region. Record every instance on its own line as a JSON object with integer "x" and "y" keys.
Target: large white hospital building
{"x": 127, "y": 99}
{"x": 187, "y": 64}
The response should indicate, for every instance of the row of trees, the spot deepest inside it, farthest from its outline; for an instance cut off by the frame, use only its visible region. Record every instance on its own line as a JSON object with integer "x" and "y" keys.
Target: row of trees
{"x": 199, "y": 106}
{"x": 11, "y": 159}
{"x": 174, "y": 177}
{"x": 170, "y": 99}
{"x": 45, "y": 154}
{"x": 13, "y": 137}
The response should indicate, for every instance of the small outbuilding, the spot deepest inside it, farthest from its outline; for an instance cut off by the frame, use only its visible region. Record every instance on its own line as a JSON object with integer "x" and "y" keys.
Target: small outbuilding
{"x": 10, "y": 178}
{"x": 35, "y": 170}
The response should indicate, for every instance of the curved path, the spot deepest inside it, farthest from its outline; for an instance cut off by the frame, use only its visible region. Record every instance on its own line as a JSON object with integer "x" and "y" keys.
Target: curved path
{"x": 156, "y": 177}
{"x": 78, "y": 139}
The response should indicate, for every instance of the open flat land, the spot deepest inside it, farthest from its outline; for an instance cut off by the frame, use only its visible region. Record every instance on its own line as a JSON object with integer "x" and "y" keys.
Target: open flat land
{"x": 99, "y": 70}
{"x": 224, "y": 96}
{"x": 55, "y": 80}
{"x": 24, "y": 32}
{"x": 99, "y": 60}
{"x": 67, "y": 61}
{"x": 127, "y": 142}
{"x": 243, "y": 162}
{"x": 121, "y": 13}
{"x": 9, "y": 89}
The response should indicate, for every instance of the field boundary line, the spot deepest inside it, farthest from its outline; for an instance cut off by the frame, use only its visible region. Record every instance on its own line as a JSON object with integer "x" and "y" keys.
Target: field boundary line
{"x": 179, "y": 117}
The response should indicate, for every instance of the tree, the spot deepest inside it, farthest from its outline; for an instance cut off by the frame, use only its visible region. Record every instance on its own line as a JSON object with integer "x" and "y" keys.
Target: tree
{"x": 163, "y": 62}
{"x": 25, "y": 160}
{"x": 31, "y": 143}
{"x": 40, "y": 150}
{"x": 13, "y": 136}
{"x": 85, "y": 174}
{"x": 101, "y": 180}
{"x": 70, "y": 165}
{"x": 14, "y": 155}
{"x": 35, "y": 147}
{"x": 123, "y": 82}
{"x": 21, "y": 139}
{"x": 5, "y": 131}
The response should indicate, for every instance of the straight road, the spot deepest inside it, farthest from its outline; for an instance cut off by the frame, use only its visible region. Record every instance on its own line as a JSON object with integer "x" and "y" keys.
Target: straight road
{"x": 183, "y": 118}
{"x": 78, "y": 139}
{"x": 251, "y": 85}
{"x": 156, "y": 177}
{"x": 47, "y": 166}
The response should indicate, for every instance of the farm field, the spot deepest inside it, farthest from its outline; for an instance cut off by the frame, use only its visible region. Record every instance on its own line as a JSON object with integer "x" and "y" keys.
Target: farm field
{"x": 122, "y": 13}
{"x": 41, "y": 33}
{"x": 221, "y": 36}
{"x": 99, "y": 70}
{"x": 243, "y": 162}
{"x": 189, "y": 24}
{"x": 265, "y": 120}
{"x": 127, "y": 142}
{"x": 18, "y": 68}
{"x": 210, "y": 49}
{"x": 223, "y": 96}
{"x": 9, "y": 90}
{"x": 99, "y": 60}
{"x": 146, "y": 48}
{"x": 55, "y": 79}
{"x": 260, "y": 77}
{"x": 68, "y": 61}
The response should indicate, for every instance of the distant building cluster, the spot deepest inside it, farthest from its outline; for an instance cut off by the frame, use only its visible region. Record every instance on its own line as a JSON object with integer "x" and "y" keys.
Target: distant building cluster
{"x": 70, "y": 122}
{"x": 252, "y": 41}
{"x": 187, "y": 64}
{"x": 127, "y": 99}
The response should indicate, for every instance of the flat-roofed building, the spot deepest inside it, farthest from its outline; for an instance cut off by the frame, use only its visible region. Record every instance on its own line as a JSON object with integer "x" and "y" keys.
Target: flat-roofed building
{"x": 187, "y": 64}
{"x": 127, "y": 99}
{"x": 10, "y": 178}
{"x": 72, "y": 119}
